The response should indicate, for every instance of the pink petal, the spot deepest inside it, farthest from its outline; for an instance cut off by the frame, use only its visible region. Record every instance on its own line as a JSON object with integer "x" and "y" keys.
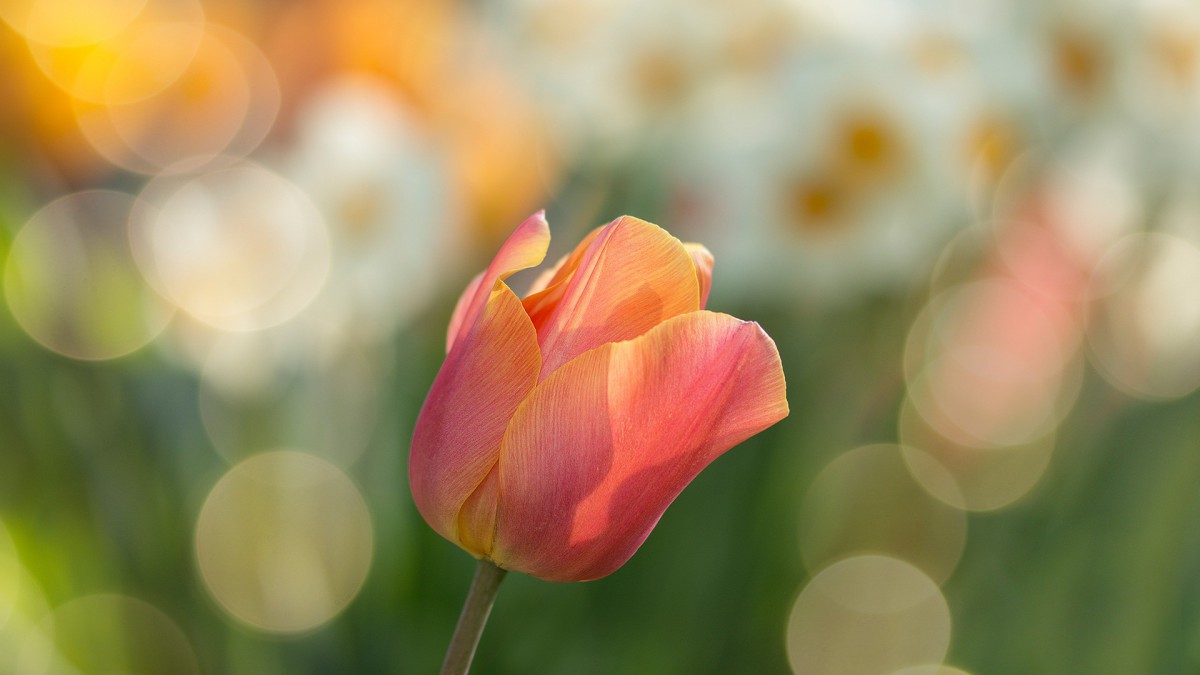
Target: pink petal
{"x": 632, "y": 276}
{"x": 460, "y": 310}
{"x": 702, "y": 258}
{"x": 563, "y": 269}
{"x": 524, "y": 248}
{"x": 457, "y": 438}
{"x": 477, "y": 518}
{"x": 492, "y": 365}
{"x": 603, "y": 445}
{"x": 547, "y": 290}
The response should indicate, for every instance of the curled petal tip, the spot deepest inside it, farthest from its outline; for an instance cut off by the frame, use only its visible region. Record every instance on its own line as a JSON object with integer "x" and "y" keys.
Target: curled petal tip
{"x": 632, "y": 276}
{"x": 537, "y": 221}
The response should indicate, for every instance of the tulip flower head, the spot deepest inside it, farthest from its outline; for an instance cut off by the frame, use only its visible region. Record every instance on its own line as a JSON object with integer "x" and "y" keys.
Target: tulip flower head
{"x": 563, "y": 424}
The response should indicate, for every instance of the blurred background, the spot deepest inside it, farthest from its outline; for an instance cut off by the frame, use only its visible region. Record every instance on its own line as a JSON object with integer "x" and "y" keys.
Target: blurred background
{"x": 232, "y": 234}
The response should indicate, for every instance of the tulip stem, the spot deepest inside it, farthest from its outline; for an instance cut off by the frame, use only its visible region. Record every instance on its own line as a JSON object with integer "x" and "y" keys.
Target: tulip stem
{"x": 474, "y": 615}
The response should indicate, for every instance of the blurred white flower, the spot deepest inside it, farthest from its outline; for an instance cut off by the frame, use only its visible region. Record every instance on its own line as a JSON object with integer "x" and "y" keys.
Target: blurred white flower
{"x": 1160, "y": 85}
{"x": 377, "y": 191}
{"x": 1077, "y": 48}
{"x": 395, "y": 227}
{"x": 610, "y": 73}
{"x": 846, "y": 176}
{"x": 925, "y": 28}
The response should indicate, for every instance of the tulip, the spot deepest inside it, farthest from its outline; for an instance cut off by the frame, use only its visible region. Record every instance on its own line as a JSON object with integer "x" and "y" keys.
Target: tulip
{"x": 563, "y": 424}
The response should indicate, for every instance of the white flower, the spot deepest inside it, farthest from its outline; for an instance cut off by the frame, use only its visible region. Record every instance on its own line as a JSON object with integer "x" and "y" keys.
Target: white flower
{"x": 394, "y": 224}
{"x": 612, "y": 73}
{"x": 836, "y": 178}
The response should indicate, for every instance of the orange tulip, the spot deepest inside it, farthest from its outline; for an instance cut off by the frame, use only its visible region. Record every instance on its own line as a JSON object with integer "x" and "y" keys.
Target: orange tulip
{"x": 563, "y": 424}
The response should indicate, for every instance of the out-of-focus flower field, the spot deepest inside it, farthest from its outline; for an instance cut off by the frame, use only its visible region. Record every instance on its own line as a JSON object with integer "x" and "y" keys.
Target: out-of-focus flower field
{"x": 232, "y": 234}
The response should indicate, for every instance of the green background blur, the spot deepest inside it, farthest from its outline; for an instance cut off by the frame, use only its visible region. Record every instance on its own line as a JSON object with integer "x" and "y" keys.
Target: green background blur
{"x": 972, "y": 229}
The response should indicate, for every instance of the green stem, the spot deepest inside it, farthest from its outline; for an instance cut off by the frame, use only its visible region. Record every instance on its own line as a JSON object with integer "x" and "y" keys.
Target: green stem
{"x": 474, "y": 615}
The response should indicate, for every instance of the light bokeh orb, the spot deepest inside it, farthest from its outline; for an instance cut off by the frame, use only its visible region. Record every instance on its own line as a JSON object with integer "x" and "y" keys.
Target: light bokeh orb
{"x": 1145, "y": 338}
{"x": 69, "y": 23}
{"x": 215, "y": 110}
{"x": 993, "y": 363}
{"x": 867, "y": 615}
{"x": 866, "y": 501}
{"x": 139, "y": 60}
{"x": 930, "y": 669}
{"x": 72, "y": 284}
{"x": 1091, "y": 197}
{"x": 284, "y": 542}
{"x": 239, "y": 248}
{"x": 22, "y": 604}
{"x": 968, "y": 477}
{"x": 23, "y": 638}
{"x": 104, "y": 634}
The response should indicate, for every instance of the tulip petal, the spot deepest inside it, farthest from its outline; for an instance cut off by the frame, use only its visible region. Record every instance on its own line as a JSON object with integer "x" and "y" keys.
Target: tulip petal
{"x": 702, "y": 258}
{"x": 460, "y": 310}
{"x": 564, "y": 268}
{"x": 604, "y": 444}
{"x": 491, "y": 366}
{"x": 456, "y": 441}
{"x": 632, "y": 276}
{"x": 547, "y": 290}
{"x": 477, "y": 518}
{"x": 524, "y": 248}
